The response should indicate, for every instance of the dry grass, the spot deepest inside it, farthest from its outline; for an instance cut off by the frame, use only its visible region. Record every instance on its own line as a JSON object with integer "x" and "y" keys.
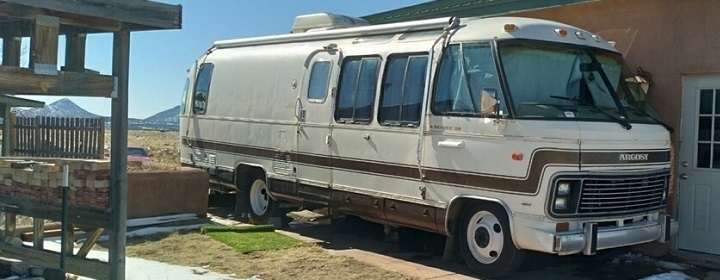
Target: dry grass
{"x": 164, "y": 146}
{"x": 306, "y": 262}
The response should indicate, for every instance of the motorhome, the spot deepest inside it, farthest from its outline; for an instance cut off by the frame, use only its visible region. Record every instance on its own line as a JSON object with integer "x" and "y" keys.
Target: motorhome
{"x": 504, "y": 134}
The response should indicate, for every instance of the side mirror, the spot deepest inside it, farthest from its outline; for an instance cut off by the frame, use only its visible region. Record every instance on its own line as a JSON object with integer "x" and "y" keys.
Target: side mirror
{"x": 489, "y": 103}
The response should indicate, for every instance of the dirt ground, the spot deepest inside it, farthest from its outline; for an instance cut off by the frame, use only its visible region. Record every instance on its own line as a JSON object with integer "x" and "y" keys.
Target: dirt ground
{"x": 307, "y": 262}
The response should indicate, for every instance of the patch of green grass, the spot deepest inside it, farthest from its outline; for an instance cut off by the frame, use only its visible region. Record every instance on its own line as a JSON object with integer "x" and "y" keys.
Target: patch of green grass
{"x": 250, "y": 239}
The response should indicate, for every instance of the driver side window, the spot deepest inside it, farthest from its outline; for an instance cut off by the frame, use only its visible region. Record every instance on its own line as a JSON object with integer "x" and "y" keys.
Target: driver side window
{"x": 467, "y": 82}
{"x": 202, "y": 88}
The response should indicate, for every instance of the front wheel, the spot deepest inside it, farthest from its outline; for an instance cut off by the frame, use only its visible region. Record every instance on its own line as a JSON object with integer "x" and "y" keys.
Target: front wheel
{"x": 485, "y": 241}
{"x": 258, "y": 201}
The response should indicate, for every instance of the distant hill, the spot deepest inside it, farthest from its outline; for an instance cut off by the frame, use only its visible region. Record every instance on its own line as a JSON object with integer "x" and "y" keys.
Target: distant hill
{"x": 61, "y": 108}
{"x": 167, "y": 120}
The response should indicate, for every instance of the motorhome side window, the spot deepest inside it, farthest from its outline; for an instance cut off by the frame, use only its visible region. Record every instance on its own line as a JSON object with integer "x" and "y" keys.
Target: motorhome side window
{"x": 356, "y": 92}
{"x": 402, "y": 90}
{"x": 467, "y": 82}
{"x": 202, "y": 88}
{"x": 319, "y": 79}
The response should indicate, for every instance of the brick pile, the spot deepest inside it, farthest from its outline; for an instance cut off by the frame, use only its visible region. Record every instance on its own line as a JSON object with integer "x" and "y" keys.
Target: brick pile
{"x": 41, "y": 180}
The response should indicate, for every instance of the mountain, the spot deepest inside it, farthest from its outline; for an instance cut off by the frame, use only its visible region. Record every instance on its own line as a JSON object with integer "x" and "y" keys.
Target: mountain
{"x": 167, "y": 120}
{"x": 167, "y": 116}
{"x": 61, "y": 108}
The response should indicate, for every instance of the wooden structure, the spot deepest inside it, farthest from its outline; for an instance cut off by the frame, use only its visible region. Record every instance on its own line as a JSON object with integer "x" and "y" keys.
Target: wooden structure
{"x": 43, "y": 21}
{"x": 57, "y": 137}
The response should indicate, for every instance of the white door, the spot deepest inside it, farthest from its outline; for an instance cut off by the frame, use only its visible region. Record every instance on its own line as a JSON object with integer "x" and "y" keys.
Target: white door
{"x": 314, "y": 112}
{"x": 699, "y": 168}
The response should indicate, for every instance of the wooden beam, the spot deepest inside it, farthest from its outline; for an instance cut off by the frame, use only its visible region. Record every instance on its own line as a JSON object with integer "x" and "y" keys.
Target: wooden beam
{"x": 80, "y": 266}
{"x": 5, "y": 113}
{"x": 147, "y": 15}
{"x": 75, "y": 52}
{"x": 44, "y": 45}
{"x": 96, "y": 218}
{"x": 15, "y": 80}
{"x": 89, "y": 243}
{"x": 9, "y": 12}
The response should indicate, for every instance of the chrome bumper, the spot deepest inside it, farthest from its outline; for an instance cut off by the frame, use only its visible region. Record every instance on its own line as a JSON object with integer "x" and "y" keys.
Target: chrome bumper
{"x": 593, "y": 238}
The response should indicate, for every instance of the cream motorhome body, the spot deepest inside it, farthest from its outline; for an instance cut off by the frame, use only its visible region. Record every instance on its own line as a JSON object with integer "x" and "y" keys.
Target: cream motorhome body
{"x": 509, "y": 134}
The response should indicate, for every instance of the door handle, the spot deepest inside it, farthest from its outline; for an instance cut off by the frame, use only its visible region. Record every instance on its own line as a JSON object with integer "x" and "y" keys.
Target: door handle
{"x": 683, "y": 176}
{"x": 451, "y": 144}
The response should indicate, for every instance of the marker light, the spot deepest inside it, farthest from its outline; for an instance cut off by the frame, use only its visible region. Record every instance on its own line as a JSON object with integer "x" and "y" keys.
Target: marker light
{"x": 580, "y": 35}
{"x": 596, "y": 38}
{"x": 561, "y": 32}
{"x": 517, "y": 156}
{"x": 510, "y": 27}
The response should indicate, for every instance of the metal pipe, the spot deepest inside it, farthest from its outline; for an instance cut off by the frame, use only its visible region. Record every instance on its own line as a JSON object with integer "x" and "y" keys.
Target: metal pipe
{"x": 63, "y": 218}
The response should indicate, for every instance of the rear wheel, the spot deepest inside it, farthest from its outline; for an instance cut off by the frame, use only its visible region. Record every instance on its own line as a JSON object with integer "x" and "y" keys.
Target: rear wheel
{"x": 485, "y": 241}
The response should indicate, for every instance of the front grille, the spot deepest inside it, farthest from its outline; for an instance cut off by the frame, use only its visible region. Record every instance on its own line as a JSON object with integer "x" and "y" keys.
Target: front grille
{"x": 622, "y": 195}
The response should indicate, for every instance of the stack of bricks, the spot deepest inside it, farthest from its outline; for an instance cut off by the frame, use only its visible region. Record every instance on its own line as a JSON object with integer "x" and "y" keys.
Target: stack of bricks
{"x": 41, "y": 180}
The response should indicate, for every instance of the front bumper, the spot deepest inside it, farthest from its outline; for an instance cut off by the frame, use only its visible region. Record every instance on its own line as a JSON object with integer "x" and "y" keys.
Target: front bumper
{"x": 593, "y": 238}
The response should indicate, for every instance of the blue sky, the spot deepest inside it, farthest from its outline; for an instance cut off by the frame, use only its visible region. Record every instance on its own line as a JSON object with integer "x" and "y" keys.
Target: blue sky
{"x": 159, "y": 59}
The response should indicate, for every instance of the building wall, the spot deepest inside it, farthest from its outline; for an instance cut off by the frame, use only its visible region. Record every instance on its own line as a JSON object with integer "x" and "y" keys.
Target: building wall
{"x": 669, "y": 38}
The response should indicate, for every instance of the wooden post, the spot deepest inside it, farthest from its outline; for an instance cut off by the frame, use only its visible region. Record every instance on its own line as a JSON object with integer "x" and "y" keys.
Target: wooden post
{"x": 11, "y": 48}
{"x": 13, "y": 134}
{"x": 118, "y": 154}
{"x": 75, "y": 52}
{"x": 5, "y": 113}
{"x": 44, "y": 45}
{"x": 38, "y": 233}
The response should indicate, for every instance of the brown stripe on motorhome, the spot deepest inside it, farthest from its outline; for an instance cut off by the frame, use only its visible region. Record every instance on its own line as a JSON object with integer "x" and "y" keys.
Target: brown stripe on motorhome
{"x": 530, "y": 184}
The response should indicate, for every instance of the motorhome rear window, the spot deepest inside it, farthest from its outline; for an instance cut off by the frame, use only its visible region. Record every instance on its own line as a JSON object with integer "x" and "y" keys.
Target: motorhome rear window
{"x": 356, "y": 92}
{"x": 202, "y": 88}
{"x": 402, "y": 91}
{"x": 319, "y": 78}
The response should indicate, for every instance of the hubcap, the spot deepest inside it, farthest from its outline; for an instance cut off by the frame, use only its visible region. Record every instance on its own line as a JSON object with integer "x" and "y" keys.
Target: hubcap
{"x": 259, "y": 199}
{"x": 485, "y": 237}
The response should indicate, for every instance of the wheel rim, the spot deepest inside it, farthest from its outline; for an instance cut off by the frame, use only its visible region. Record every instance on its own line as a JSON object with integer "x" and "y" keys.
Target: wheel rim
{"x": 485, "y": 237}
{"x": 259, "y": 199}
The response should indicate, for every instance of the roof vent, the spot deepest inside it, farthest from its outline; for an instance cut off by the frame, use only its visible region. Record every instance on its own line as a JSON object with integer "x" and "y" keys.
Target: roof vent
{"x": 325, "y": 21}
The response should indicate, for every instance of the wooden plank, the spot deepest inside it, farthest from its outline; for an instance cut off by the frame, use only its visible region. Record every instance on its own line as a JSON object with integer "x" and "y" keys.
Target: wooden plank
{"x": 69, "y": 23}
{"x": 138, "y": 14}
{"x": 70, "y": 238}
{"x": 18, "y": 80}
{"x": 89, "y": 243}
{"x": 80, "y": 266}
{"x": 44, "y": 45}
{"x": 76, "y": 215}
{"x": 5, "y": 114}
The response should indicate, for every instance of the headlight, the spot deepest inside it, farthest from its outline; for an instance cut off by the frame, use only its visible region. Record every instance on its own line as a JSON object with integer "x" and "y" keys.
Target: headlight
{"x": 563, "y": 188}
{"x": 560, "y": 203}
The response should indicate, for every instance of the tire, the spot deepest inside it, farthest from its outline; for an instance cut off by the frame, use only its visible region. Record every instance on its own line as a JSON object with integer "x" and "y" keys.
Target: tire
{"x": 486, "y": 243}
{"x": 258, "y": 202}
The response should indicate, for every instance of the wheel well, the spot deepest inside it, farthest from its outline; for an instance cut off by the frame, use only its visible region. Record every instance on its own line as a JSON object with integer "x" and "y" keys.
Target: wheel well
{"x": 245, "y": 172}
{"x": 455, "y": 210}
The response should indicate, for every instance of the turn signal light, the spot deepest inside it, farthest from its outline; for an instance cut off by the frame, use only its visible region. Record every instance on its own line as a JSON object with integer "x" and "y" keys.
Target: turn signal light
{"x": 561, "y": 32}
{"x": 517, "y": 156}
{"x": 562, "y": 227}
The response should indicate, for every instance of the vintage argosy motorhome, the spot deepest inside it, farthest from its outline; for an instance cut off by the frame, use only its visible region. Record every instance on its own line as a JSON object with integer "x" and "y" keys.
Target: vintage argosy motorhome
{"x": 506, "y": 134}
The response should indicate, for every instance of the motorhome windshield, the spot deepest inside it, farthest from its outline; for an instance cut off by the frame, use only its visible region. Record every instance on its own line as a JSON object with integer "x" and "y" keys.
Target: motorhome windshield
{"x": 552, "y": 81}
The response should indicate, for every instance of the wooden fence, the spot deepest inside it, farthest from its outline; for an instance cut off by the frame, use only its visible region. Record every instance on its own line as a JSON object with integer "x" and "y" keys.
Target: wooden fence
{"x": 57, "y": 137}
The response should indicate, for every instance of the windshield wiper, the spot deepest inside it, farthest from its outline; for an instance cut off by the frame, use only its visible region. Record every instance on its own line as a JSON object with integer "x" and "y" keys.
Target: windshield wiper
{"x": 621, "y": 120}
{"x": 643, "y": 113}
